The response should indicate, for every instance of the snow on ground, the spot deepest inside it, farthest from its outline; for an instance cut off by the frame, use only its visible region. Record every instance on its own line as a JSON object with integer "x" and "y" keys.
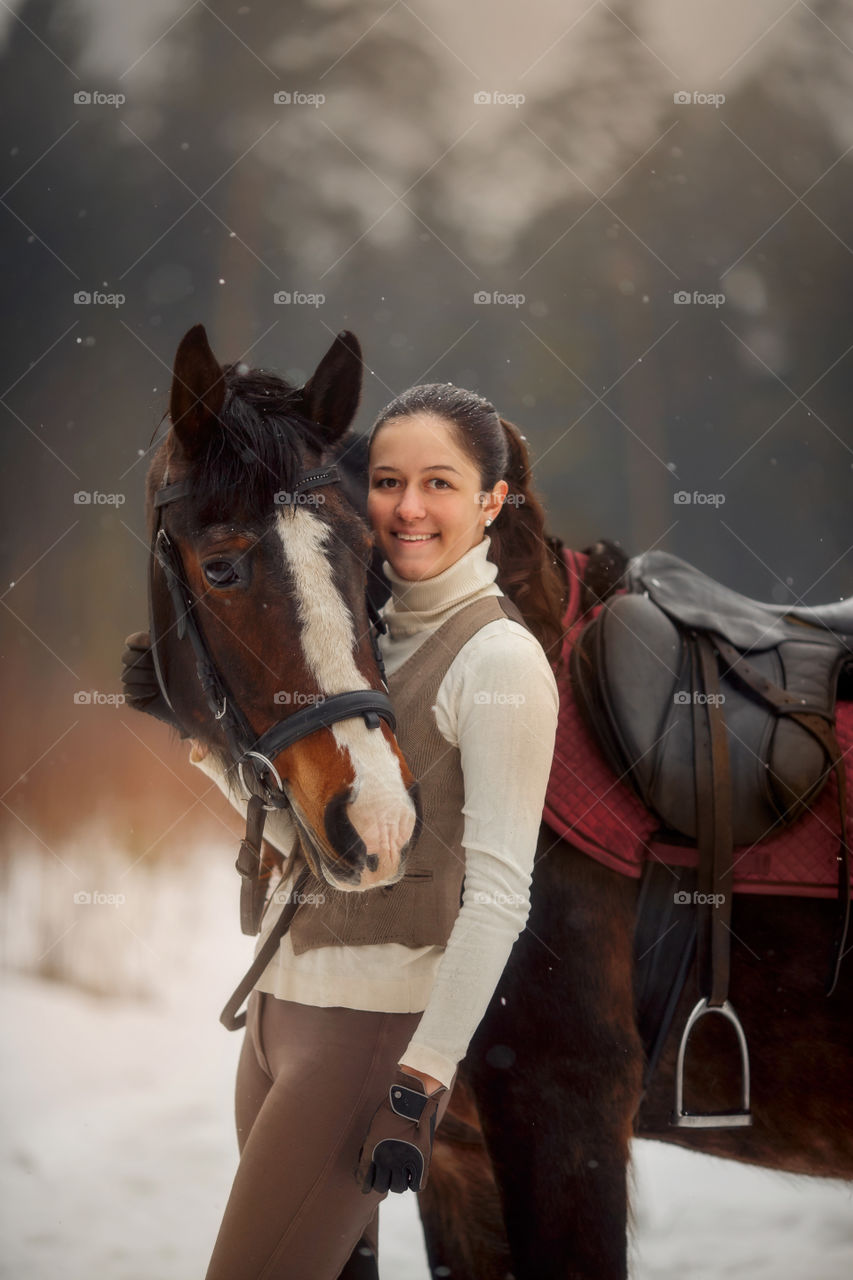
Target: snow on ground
{"x": 117, "y": 1136}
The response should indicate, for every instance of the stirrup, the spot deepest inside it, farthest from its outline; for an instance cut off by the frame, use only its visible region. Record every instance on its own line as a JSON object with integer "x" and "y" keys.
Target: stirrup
{"x": 711, "y": 1119}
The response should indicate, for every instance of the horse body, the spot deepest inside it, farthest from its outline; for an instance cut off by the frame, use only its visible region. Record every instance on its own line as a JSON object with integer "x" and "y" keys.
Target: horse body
{"x": 552, "y": 1082}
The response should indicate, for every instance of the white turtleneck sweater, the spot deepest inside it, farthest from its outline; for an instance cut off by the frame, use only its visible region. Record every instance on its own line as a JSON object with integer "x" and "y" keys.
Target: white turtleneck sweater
{"x": 506, "y": 743}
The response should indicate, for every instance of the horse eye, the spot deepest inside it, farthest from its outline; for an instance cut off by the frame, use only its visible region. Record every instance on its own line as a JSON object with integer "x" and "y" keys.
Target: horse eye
{"x": 221, "y": 573}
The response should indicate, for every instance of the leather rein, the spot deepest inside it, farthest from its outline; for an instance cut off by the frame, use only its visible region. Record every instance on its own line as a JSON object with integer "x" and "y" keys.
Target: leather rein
{"x": 251, "y": 755}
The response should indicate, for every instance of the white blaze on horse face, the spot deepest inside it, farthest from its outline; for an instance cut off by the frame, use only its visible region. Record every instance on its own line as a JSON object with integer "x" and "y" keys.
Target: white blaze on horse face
{"x": 381, "y": 810}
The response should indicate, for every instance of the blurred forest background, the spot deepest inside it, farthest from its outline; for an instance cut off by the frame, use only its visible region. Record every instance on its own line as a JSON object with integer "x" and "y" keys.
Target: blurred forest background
{"x": 192, "y": 160}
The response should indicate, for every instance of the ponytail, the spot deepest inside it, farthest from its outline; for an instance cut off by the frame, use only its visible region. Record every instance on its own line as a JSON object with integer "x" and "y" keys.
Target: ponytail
{"x": 530, "y": 572}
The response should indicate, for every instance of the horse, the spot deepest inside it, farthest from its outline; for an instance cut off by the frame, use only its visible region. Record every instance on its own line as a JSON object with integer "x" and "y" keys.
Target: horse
{"x": 265, "y": 567}
{"x": 529, "y": 1176}
{"x": 257, "y": 607}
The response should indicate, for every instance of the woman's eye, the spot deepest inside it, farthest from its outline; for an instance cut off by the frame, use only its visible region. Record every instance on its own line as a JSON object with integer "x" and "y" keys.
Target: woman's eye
{"x": 221, "y": 573}
{"x": 389, "y": 482}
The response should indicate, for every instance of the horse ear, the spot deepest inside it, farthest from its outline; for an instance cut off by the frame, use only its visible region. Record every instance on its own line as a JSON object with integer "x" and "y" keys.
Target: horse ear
{"x": 198, "y": 391}
{"x": 330, "y": 396}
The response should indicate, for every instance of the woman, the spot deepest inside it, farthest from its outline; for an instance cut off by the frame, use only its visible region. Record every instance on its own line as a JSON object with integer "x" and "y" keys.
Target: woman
{"x": 356, "y": 1028}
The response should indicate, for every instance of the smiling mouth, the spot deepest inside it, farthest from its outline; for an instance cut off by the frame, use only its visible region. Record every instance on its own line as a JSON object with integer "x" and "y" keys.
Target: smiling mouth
{"x": 415, "y": 537}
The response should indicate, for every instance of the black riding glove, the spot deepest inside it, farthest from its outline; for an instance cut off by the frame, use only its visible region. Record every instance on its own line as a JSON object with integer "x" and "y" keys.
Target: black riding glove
{"x": 139, "y": 681}
{"x": 396, "y": 1153}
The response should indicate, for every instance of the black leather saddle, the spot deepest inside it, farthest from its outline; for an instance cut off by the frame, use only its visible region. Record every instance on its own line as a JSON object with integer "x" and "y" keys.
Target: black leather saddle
{"x": 718, "y": 709}
{"x": 634, "y": 675}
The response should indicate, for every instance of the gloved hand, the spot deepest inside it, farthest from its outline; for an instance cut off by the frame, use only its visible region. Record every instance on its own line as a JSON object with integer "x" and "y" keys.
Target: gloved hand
{"x": 396, "y": 1153}
{"x": 139, "y": 680}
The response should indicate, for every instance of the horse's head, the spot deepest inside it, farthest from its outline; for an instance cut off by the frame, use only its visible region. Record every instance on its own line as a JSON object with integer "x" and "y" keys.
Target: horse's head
{"x": 259, "y": 563}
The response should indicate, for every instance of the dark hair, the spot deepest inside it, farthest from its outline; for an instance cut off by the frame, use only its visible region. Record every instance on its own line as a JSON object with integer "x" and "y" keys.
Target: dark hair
{"x": 529, "y": 568}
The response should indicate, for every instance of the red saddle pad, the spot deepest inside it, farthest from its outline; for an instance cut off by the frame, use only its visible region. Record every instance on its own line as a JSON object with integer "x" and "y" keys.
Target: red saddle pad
{"x": 602, "y": 816}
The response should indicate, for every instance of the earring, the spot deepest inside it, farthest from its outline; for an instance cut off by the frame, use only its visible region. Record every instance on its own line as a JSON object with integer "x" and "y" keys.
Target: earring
{"x": 488, "y": 522}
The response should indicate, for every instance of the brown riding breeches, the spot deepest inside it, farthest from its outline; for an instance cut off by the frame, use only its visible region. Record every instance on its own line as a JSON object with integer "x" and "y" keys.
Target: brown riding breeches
{"x": 308, "y": 1083}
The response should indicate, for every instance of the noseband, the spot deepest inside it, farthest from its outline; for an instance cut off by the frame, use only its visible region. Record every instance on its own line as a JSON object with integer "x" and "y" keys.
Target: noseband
{"x": 251, "y": 755}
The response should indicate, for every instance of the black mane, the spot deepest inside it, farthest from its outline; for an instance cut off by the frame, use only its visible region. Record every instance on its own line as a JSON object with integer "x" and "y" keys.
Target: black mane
{"x": 259, "y": 452}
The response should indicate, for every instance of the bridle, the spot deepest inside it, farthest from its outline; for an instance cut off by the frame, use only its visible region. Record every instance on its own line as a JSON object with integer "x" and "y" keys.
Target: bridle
{"x": 250, "y": 754}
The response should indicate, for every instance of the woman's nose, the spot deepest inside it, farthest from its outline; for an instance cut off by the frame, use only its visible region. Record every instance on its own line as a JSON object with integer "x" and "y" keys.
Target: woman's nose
{"x": 410, "y": 506}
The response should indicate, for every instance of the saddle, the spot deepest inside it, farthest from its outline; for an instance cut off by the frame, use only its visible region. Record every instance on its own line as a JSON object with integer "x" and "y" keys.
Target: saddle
{"x": 719, "y": 711}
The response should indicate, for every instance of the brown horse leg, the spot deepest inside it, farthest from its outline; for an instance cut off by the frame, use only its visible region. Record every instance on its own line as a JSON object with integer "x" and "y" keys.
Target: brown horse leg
{"x": 556, "y": 1069}
{"x": 460, "y": 1207}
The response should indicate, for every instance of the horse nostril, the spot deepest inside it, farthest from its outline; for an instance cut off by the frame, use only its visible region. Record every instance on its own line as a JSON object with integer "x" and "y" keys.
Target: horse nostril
{"x": 371, "y": 861}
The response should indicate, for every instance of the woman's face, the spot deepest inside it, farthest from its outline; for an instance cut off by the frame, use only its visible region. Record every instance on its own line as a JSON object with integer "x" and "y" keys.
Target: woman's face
{"x": 425, "y": 501}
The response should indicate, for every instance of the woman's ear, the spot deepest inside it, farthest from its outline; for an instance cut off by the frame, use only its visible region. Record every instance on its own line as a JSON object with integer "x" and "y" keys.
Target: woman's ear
{"x": 494, "y": 499}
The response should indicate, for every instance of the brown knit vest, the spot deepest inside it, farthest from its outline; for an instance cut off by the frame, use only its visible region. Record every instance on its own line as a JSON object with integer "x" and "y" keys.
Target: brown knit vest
{"x": 420, "y": 909}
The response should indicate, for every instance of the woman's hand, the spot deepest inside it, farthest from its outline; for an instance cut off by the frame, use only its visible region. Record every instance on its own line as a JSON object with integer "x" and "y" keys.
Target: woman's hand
{"x": 396, "y": 1152}
{"x": 139, "y": 680}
